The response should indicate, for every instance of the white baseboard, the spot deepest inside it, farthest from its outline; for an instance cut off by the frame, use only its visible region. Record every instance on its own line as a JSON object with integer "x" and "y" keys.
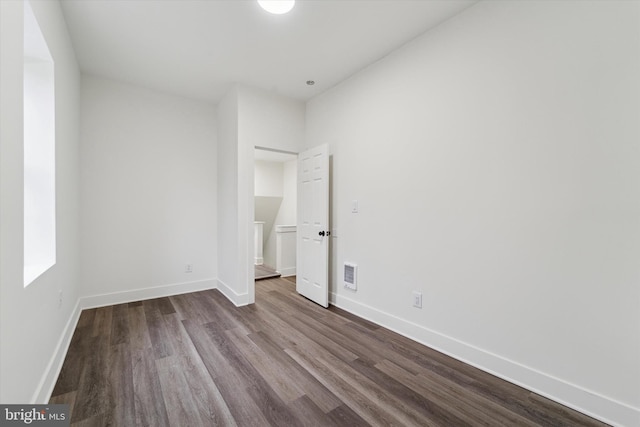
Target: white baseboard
{"x": 146, "y": 293}
{"x": 237, "y": 299}
{"x": 590, "y": 403}
{"x": 48, "y": 380}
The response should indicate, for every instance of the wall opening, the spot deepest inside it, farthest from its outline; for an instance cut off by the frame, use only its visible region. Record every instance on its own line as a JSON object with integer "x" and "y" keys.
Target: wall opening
{"x": 39, "y": 152}
{"x": 275, "y": 205}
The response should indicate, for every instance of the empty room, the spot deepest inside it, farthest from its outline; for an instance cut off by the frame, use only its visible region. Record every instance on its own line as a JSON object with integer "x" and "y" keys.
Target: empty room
{"x": 445, "y": 195}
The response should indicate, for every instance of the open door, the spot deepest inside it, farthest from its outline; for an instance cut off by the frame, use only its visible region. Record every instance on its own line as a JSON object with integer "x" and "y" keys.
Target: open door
{"x": 312, "y": 273}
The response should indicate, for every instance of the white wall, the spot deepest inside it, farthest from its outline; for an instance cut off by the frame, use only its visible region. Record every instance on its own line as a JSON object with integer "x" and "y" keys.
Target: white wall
{"x": 269, "y": 186}
{"x": 287, "y": 212}
{"x": 276, "y": 195}
{"x": 148, "y": 191}
{"x": 497, "y": 159}
{"x": 248, "y": 118}
{"x": 269, "y": 120}
{"x": 33, "y": 326}
{"x": 269, "y": 178}
{"x": 228, "y": 197}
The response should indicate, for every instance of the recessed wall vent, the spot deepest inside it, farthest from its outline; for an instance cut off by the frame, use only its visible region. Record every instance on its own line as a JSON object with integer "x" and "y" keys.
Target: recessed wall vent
{"x": 350, "y": 276}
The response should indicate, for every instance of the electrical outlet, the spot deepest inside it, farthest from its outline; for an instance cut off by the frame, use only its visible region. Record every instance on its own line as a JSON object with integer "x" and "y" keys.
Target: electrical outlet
{"x": 188, "y": 268}
{"x": 417, "y": 299}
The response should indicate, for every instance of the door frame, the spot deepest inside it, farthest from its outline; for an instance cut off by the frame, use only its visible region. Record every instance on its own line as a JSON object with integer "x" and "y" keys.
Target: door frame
{"x": 251, "y": 216}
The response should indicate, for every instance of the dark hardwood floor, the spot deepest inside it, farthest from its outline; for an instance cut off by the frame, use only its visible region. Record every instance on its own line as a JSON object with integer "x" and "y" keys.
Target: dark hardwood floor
{"x": 196, "y": 360}
{"x": 262, "y": 272}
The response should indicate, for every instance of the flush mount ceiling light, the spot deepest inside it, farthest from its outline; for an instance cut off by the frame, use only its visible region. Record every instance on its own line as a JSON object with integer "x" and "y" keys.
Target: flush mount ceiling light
{"x": 277, "y": 7}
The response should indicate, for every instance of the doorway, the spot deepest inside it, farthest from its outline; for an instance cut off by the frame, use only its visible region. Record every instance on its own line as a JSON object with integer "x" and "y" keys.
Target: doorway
{"x": 275, "y": 205}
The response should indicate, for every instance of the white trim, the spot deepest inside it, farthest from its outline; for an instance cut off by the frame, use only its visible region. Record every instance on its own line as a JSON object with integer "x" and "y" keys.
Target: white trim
{"x": 51, "y": 373}
{"x": 573, "y": 396}
{"x": 146, "y": 293}
{"x": 286, "y": 228}
{"x": 237, "y": 299}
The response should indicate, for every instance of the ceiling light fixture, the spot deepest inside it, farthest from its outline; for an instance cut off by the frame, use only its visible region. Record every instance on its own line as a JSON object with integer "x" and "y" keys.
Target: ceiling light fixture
{"x": 277, "y": 7}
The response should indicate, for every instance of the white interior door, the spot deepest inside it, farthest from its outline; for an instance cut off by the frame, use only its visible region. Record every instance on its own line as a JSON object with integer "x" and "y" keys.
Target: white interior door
{"x": 313, "y": 225}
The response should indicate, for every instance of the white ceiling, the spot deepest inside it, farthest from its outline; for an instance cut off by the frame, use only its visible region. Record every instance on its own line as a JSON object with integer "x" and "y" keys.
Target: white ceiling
{"x": 198, "y": 48}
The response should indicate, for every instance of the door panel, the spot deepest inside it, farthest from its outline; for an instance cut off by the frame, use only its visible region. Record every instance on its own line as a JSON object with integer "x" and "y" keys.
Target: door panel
{"x": 313, "y": 225}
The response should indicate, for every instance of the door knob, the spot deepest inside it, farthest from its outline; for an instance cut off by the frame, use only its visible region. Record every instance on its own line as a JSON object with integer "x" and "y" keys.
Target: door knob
{"x": 323, "y": 233}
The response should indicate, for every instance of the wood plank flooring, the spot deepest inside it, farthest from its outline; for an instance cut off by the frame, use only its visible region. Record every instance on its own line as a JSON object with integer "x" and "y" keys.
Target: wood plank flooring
{"x": 196, "y": 360}
{"x": 262, "y": 272}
